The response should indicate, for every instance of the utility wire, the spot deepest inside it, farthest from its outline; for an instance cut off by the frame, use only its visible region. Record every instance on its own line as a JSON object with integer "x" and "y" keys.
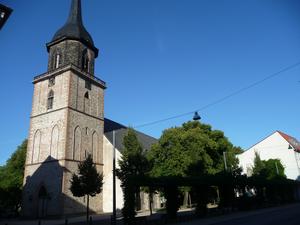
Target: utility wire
{"x": 223, "y": 98}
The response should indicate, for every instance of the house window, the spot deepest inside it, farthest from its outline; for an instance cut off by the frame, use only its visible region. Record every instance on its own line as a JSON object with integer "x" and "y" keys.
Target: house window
{"x": 51, "y": 82}
{"x": 88, "y": 84}
{"x": 50, "y": 100}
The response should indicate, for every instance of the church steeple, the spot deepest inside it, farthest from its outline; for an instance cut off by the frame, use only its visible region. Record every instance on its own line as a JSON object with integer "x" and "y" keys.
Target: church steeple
{"x": 63, "y": 42}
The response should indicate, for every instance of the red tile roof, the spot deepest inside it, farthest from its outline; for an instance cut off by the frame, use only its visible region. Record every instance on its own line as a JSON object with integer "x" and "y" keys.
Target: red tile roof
{"x": 291, "y": 140}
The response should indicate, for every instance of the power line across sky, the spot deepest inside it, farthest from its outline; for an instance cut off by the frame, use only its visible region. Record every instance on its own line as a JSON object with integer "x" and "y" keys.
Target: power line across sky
{"x": 222, "y": 99}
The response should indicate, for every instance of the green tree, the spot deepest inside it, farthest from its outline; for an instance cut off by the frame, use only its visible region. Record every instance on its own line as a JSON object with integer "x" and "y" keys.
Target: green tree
{"x": 88, "y": 182}
{"x": 258, "y": 165}
{"x": 133, "y": 163}
{"x": 193, "y": 149}
{"x": 267, "y": 169}
{"x": 11, "y": 180}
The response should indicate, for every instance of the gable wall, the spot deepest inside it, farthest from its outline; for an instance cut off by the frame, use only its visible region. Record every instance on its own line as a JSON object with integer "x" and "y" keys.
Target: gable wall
{"x": 273, "y": 147}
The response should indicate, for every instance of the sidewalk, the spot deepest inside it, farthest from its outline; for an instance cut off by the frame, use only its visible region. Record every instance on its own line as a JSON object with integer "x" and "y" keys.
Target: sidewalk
{"x": 73, "y": 220}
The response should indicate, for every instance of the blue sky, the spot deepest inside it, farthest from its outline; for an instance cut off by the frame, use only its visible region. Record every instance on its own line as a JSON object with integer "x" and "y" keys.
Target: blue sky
{"x": 161, "y": 58}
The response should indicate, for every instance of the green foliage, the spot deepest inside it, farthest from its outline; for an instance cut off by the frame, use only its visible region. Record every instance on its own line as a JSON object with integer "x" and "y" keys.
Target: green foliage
{"x": 191, "y": 150}
{"x": 258, "y": 165}
{"x": 11, "y": 175}
{"x": 133, "y": 163}
{"x": 267, "y": 169}
{"x": 11, "y": 180}
{"x": 88, "y": 181}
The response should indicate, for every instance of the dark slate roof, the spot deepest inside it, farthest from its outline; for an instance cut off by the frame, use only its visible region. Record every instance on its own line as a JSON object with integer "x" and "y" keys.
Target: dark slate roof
{"x": 74, "y": 28}
{"x": 121, "y": 130}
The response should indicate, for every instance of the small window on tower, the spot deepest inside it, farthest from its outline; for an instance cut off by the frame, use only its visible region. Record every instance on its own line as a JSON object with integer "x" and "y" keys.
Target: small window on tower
{"x": 51, "y": 82}
{"x": 85, "y": 61}
{"x": 86, "y": 95}
{"x": 50, "y": 100}
{"x": 88, "y": 84}
{"x": 56, "y": 59}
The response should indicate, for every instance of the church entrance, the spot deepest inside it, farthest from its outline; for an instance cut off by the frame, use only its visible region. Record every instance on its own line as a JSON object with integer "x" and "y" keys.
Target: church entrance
{"x": 42, "y": 202}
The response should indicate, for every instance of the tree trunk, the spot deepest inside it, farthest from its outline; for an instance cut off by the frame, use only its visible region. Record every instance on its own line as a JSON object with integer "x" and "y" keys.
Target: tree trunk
{"x": 190, "y": 200}
{"x": 150, "y": 201}
{"x": 186, "y": 199}
{"x": 87, "y": 209}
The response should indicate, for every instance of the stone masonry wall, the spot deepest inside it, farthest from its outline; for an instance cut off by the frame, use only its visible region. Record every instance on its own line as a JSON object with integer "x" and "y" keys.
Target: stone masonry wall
{"x": 71, "y": 53}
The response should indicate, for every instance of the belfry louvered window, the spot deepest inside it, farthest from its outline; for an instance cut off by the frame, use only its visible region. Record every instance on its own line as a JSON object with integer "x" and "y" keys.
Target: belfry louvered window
{"x": 85, "y": 61}
{"x": 57, "y": 59}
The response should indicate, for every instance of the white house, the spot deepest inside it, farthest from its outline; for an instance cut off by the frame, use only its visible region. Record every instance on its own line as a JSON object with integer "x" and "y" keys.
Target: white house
{"x": 278, "y": 145}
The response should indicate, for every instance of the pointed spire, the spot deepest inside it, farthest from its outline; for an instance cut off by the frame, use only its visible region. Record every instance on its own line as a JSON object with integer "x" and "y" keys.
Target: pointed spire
{"x": 75, "y": 13}
{"x": 74, "y": 28}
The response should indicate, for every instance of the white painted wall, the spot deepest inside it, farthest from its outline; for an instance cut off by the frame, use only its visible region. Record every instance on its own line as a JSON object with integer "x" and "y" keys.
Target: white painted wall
{"x": 108, "y": 178}
{"x": 272, "y": 147}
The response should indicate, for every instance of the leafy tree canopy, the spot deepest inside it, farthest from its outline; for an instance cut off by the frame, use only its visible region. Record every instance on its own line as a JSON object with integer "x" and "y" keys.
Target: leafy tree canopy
{"x": 88, "y": 181}
{"x": 192, "y": 149}
{"x": 268, "y": 169}
{"x": 11, "y": 174}
{"x": 133, "y": 161}
{"x": 11, "y": 180}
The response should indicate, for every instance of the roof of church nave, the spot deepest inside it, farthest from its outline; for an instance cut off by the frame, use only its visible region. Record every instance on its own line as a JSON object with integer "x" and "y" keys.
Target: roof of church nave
{"x": 121, "y": 130}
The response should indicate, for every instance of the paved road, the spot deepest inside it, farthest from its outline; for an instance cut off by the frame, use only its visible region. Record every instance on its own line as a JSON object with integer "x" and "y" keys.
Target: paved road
{"x": 286, "y": 215}
{"x": 283, "y": 215}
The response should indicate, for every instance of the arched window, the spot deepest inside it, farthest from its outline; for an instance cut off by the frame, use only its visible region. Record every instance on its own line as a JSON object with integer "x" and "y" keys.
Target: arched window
{"x": 54, "y": 142}
{"x": 42, "y": 202}
{"x": 97, "y": 156}
{"x": 42, "y": 192}
{"x": 86, "y": 95}
{"x": 50, "y": 100}
{"x": 77, "y": 143}
{"x": 85, "y": 61}
{"x": 56, "y": 59}
{"x": 36, "y": 147}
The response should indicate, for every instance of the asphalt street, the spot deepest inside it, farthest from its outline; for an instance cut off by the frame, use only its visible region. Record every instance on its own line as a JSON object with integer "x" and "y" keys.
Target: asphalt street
{"x": 286, "y": 215}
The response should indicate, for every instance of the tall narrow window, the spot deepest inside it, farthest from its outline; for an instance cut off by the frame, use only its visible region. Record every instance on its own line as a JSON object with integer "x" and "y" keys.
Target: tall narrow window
{"x": 86, "y": 103}
{"x": 85, "y": 61}
{"x": 50, "y": 100}
{"x": 57, "y": 60}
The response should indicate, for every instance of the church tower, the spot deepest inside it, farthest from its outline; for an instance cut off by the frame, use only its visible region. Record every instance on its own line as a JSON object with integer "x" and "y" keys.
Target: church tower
{"x": 66, "y": 123}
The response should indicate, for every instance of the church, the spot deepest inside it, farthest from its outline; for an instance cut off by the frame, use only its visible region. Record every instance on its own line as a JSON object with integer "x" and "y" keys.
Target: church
{"x": 66, "y": 124}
